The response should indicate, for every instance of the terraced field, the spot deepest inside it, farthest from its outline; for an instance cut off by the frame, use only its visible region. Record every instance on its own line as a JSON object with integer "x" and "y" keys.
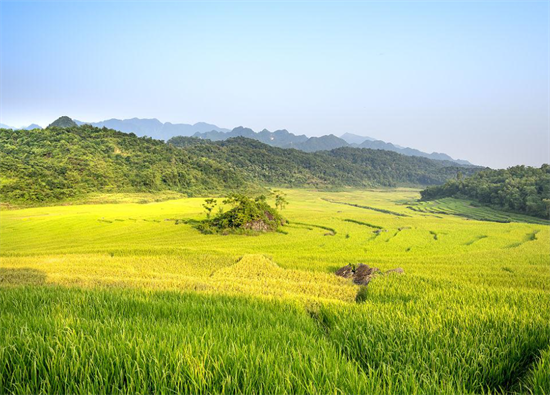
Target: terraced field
{"x": 125, "y": 298}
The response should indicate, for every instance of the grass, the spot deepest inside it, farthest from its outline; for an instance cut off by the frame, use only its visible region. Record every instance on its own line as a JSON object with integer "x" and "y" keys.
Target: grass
{"x": 117, "y": 298}
{"x": 59, "y": 340}
{"x": 472, "y": 210}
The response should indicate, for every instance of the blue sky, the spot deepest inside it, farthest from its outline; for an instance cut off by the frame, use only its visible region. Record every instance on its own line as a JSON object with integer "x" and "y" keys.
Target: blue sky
{"x": 469, "y": 79}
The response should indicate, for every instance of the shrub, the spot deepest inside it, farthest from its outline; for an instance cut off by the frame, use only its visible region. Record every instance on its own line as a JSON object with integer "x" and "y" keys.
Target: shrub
{"x": 246, "y": 216}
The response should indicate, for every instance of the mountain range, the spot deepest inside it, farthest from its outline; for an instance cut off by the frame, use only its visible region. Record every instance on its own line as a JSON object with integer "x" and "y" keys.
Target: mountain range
{"x": 30, "y": 127}
{"x": 155, "y": 128}
{"x": 279, "y": 138}
{"x": 284, "y": 139}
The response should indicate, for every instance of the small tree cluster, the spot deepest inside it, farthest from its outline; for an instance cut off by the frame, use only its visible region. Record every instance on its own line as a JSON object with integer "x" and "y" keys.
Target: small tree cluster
{"x": 246, "y": 215}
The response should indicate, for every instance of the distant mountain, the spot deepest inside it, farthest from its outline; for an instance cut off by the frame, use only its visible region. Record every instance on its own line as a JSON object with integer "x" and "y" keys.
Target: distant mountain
{"x": 278, "y": 138}
{"x": 378, "y": 144}
{"x": 155, "y": 128}
{"x": 30, "y": 127}
{"x": 281, "y": 138}
{"x": 351, "y": 138}
{"x": 63, "y": 122}
{"x": 285, "y": 139}
{"x": 323, "y": 143}
{"x": 216, "y": 135}
{"x": 33, "y": 126}
{"x": 355, "y": 140}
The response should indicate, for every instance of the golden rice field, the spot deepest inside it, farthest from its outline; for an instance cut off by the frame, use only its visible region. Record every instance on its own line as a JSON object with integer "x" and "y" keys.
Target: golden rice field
{"x": 123, "y": 297}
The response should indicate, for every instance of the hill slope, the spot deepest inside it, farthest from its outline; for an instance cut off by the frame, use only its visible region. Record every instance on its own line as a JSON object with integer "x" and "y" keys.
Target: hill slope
{"x": 518, "y": 189}
{"x": 60, "y": 163}
{"x": 62, "y": 122}
{"x": 341, "y": 167}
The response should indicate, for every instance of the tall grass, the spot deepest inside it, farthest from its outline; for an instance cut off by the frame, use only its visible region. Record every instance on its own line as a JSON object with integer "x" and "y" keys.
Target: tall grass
{"x": 57, "y": 340}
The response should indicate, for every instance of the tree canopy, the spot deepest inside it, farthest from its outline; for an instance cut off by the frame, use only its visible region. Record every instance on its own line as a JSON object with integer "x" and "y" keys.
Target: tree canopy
{"x": 60, "y": 163}
{"x": 246, "y": 216}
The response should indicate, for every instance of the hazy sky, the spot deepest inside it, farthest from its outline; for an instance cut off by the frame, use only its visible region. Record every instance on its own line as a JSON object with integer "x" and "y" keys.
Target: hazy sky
{"x": 469, "y": 79}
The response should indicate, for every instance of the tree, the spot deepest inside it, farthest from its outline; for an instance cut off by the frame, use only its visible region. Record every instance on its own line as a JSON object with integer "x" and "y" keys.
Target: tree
{"x": 209, "y": 205}
{"x": 280, "y": 199}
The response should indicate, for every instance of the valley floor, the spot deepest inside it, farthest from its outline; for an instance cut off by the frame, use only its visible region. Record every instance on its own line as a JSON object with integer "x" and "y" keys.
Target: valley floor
{"x": 125, "y": 298}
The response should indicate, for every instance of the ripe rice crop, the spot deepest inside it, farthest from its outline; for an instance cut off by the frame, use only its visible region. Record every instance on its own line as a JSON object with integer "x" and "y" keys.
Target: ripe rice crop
{"x": 117, "y": 298}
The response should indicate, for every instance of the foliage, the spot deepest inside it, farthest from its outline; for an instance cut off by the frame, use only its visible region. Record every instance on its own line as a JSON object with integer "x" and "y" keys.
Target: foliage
{"x": 355, "y": 167}
{"x": 246, "y": 214}
{"x": 209, "y": 205}
{"x": 520, "y": 189}
{"x": 280, "y": 199}
{"x": 65, "y": 163}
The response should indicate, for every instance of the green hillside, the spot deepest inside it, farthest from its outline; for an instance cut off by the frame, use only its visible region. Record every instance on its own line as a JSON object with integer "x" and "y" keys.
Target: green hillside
{"x": 340, "y": 167}
{"x": 62, "y": 163}
{"x": 519, "y": 189}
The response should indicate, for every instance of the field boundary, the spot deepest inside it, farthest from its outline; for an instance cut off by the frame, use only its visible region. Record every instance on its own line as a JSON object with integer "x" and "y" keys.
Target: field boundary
{"x": 380, "y": 210}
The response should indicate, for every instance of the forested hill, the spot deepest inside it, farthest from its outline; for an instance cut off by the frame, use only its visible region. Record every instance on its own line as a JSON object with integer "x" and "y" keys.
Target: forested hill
{"x": 519, "y": 189}
{"x": 339, "y": 167}
{"x": 58, "y": 163}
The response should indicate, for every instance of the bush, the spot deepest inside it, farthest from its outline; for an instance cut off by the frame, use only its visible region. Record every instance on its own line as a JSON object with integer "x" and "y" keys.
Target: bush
{"x": 247, "y": 216}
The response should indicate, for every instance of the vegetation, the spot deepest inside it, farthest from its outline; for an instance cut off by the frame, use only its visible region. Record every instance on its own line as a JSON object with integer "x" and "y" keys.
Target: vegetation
{"x": 340, "y": 167}
{"x": 116, "y": 298}
{"x": 518, "y": 189}
{"x": 246, "y": 215}
{"x": 66, "y": 163}
{"x": 114, "y": 341}
{"x": 63, "y": 122}
{"x": 470, "y": 209}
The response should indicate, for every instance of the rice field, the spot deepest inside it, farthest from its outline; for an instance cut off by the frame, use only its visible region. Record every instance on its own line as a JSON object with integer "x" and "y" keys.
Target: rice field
{"x": 124, "y": 297}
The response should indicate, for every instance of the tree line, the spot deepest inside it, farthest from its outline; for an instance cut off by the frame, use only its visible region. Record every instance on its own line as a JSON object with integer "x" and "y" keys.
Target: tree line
{"x": 519, "y": 189}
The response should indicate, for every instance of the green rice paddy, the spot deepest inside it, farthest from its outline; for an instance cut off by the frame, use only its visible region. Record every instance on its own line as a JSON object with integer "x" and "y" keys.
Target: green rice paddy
{"x": 126, "y": 298}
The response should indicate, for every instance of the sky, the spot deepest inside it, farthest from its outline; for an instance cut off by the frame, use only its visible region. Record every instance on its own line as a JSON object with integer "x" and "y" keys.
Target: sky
{"x": 470, "y": 79}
